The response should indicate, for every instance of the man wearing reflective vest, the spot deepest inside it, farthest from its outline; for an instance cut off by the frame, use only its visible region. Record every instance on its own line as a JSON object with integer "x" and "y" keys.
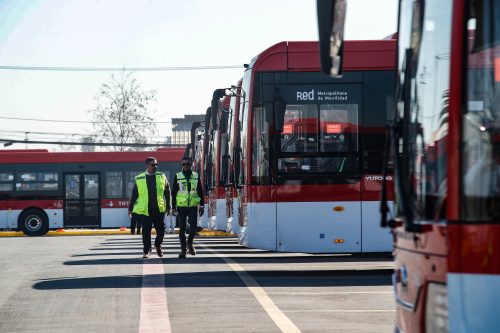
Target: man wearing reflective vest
{"x": 150, "y": 201}
{"x": 187, "y": 197}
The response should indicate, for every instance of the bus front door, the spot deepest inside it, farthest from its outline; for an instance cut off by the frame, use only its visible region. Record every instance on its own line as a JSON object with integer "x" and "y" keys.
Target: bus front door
{"x": 81, "y": 200}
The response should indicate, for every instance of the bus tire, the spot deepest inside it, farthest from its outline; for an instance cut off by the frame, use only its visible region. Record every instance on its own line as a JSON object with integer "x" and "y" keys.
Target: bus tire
{"x": 33, "y": 222}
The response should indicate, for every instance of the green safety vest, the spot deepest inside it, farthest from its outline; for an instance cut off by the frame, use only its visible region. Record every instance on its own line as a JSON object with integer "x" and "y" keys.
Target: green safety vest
{"x": 184, "y": 197}
{"x": 141, "y": 205}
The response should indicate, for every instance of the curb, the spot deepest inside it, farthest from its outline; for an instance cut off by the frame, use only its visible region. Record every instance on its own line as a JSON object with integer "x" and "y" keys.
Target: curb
{"x": 70, "y": 232}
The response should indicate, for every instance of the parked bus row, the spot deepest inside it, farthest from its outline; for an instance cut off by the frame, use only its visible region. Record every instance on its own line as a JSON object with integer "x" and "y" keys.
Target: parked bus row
{"x": 445, "y": 139}
{"x": 291, "y": 159}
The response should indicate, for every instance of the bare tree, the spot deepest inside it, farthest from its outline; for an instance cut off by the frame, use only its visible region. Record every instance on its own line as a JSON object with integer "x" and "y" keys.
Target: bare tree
{"x": 122, "y": 114}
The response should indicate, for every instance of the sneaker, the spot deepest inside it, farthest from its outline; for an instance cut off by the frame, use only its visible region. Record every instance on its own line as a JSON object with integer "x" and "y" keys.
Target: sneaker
{"x": 147, "y": 255}
{"x": 159, "y": 252}
{"x": 182, "y": 254}
{"x": 192, "y": 251}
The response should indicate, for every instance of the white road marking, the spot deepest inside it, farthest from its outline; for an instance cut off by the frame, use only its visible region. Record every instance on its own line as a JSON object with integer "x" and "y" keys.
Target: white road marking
{"x": 280, "y": 319}
{"x": 340, "y": 311}
{"x": 154, "y": 307}
{"x": 335, "y": 292}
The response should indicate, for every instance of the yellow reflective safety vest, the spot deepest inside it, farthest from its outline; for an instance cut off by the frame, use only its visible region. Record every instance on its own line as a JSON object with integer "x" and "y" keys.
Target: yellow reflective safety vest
{"x": 141, "y": 205}
{"x": 184, "y": 197}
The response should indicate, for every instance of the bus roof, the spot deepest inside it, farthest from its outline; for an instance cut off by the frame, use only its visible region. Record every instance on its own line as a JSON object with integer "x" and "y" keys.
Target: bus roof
{"x": 304, "y": 56}
{"x": 43, "y": 156}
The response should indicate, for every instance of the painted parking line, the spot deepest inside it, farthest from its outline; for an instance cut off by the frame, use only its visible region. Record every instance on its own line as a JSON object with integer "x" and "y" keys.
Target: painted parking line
{"x": 154, "y": 307}
{"x": 313, "y": 293}
{"x": 340, "y": 311}
{"x": 278, "y": 317}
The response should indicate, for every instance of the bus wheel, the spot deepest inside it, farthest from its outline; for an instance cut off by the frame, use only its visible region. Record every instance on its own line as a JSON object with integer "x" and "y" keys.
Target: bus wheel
{"x": 33, "y": 222}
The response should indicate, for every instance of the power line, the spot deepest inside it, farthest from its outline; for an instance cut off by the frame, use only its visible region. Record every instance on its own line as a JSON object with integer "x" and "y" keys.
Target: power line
{"x": 34, "y": 132}
{"x": 28, "y": 132}
{"x": 101, "y": 144}
{"x": 84, "y": 122}
{"x": 115, "y": 69}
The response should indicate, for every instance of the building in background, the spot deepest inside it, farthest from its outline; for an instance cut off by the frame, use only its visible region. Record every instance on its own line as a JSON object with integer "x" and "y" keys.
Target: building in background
{"x": 181, "y": 128}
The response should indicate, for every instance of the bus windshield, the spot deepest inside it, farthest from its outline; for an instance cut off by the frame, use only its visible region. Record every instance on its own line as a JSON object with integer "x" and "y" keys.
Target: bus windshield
{"x": 315, "y": 129}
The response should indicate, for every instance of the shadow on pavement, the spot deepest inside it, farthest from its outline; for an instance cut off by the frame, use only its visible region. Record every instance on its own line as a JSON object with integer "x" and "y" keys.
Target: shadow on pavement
{"x": 226, "y": 279}
{"x": 168, "y": 259}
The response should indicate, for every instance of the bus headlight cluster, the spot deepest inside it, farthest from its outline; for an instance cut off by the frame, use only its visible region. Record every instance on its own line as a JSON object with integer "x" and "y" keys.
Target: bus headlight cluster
{"x": 436, "y": 309}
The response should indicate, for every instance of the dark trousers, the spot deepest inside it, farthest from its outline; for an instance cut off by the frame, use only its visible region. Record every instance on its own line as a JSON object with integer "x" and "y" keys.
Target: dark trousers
{"x": 184, "y": 213}
{"x": 147, "y": 224}
{"x": 135, "y": 221}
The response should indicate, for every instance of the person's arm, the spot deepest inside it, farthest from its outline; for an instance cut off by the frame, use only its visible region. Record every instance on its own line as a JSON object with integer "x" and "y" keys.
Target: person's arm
{"x": 133, "y": 199}
{"x": 175, "y": 189}
{"x": 199, "y": 190}
{"x": 166, "y": 194}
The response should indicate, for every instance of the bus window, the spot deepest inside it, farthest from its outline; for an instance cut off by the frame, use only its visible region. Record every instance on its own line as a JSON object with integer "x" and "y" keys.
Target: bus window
{"x": 48, "y": 186}
{"x": 6, "y": 187}
{"x": 260, "y": 149}
{"x": 26, "y": 177}
{"x": 130, "y": 182}
{"x": 42, "y": 181}
{"x": 6, "y": 177}
{"x": 339, "y": 127}
{"x": 48, "y": 177}
{"x": 114, "y": 184}
{"x": 300, "y": 129}
{"x": 72, "y": 187}
{"x": 91, "y": 190}
{"x": 6, "y": 180}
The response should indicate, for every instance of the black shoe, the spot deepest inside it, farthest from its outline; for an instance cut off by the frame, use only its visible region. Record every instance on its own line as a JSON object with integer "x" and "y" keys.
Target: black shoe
{"x": 182, "y": 254}
{"x": 159, "y": 251}
{"x": 192, "y": 251}
{"x": 147, "y": 255}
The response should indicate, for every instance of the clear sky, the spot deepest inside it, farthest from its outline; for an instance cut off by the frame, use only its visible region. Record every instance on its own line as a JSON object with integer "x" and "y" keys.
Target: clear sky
{"x": 147, "y": 33}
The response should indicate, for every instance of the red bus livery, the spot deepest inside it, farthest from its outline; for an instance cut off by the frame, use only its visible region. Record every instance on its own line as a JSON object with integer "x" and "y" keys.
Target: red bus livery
{"x": 41, "y": 190}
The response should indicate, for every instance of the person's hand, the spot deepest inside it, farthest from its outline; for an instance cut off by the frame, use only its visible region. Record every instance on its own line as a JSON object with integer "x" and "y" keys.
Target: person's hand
{"x": 201, "y": 210}
{"x": 129, "y": 214}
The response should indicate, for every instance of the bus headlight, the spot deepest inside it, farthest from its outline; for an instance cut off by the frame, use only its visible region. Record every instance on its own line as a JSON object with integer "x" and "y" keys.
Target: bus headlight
{"x": 436, "y": 309}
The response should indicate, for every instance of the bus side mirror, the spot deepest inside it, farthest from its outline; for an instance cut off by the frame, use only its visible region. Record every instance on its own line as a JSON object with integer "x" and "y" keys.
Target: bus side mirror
{"x": 331, "y": 19}
{"x": 217, "y": 95}
{"x": 279, "y": 114}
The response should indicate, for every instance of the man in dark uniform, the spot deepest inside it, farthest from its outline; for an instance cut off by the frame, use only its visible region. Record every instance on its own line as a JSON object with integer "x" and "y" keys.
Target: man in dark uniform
{"x": 187, "y": 200}
{"x": 150, "y": 201}
{"x": 135, "y": 222}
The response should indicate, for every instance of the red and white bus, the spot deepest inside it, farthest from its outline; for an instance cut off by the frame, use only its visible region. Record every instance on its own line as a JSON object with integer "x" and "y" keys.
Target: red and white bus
{"x": 41, "y": 190}
{"x": 446, "y": 140}
{"x": 222, "y": 200}
{"x": 218, "y": 161}
{"x": 195, "y": 152}
{"x": 233, "y": 150}
{"x": 311, "y": 149}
